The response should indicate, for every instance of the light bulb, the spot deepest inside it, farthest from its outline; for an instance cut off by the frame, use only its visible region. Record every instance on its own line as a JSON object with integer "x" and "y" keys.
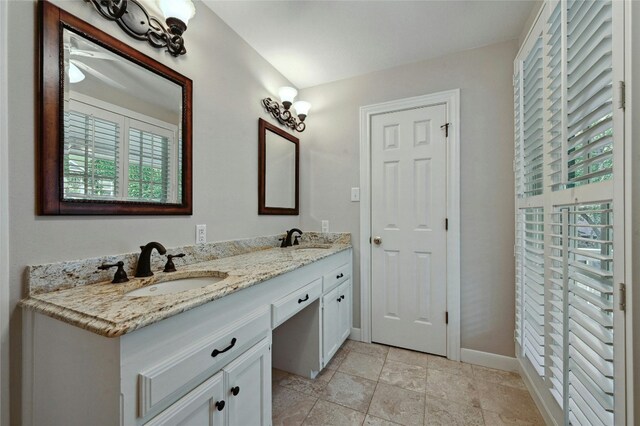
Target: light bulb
{"x": 302, "y": 107}
{"x": 287, "y": 95}
{"x": 180, "y": 9}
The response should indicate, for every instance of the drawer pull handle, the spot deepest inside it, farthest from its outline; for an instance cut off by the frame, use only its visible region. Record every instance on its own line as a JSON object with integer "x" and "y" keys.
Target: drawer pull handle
{"x": 304, "y": 300}
{"x": 220, "y": 405}
{"x": 340, "y": 275}
{"x": 216, "y": 352}
{"x": 235, "y": 390}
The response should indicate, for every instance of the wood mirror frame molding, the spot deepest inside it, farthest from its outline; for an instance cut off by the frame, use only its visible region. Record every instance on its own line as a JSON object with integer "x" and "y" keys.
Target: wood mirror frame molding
{"x": 263, "y": 128}
{"x": 51, "y": 128}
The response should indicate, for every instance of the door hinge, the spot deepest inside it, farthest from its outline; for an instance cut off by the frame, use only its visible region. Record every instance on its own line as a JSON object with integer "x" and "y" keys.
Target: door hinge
{"x": 446, "y": 129}
{"x": 369, "y": 240}
{"x": 446, "y": 224}
{"x": 446, "y": 317}
{"x": 622, "y": 93}
{"x": 623, "y": 297}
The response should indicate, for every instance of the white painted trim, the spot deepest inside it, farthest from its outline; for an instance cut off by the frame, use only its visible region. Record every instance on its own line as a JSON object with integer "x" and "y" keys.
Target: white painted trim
{"x": 355, "y": 334}
{"x": 630, "y": 192}
{"x": 451, "y": 98}
{"x": 4, "y": 217}
{"x": 489, "y": 360}
{"x": 537, "y": 397}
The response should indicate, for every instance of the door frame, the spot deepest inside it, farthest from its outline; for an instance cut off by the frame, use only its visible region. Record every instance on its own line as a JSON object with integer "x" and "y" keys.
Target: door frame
{"x": 451, "y": 100}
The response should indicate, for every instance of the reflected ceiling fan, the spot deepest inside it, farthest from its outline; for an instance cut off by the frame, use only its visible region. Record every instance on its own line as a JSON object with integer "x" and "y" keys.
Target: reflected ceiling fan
{"x": 78, "y": 68}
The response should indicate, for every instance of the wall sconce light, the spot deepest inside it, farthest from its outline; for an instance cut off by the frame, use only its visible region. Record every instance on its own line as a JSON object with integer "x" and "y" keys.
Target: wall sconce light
{"x": 283, "y": 114}
{"x": 135, "y": 21}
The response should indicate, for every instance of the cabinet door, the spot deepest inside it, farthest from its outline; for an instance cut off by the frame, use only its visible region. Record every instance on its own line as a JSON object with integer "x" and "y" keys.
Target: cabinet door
{"x": 344, "y": 309}
{"x": 330, "y": 323}
{"x": 248, "y": 387}
{"x": 205, "y": 405}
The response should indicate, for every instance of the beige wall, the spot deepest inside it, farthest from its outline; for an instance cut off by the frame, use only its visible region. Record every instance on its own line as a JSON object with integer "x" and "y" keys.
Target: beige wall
{"x": 230, "y": 79}
{"x": 330, "y": 167}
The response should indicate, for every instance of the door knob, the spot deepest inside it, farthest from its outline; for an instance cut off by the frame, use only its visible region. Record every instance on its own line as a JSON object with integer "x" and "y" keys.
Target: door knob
{"x": 377, "y": 241}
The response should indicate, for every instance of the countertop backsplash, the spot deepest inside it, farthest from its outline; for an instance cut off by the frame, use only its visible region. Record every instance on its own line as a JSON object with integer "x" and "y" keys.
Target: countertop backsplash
{"x": 64, "y": 275}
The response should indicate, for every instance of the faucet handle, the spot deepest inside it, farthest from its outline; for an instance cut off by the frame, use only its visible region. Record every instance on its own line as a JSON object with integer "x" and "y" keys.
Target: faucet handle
{"x": 170, "y": 266}
{"x": 295, "y": 240}
{"x": 284, "y": 242}
{"x": 120, "y": 276}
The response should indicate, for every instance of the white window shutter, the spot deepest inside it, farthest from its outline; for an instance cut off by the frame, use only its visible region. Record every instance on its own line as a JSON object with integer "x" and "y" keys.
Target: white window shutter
{"x": 532, "y": 95}
{"x": 555, "y": 103}
{"x": 589, "y": 91}
{"x": 534, "y": 287}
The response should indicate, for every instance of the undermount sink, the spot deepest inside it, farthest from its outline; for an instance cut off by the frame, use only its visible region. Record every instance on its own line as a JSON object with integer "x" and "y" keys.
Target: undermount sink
{"x": 312, "y": 247}
{"x": 176, "y": 286}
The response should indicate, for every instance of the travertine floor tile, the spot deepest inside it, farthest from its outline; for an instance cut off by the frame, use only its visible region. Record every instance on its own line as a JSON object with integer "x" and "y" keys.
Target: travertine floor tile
{"x": 440, "y": 412}
{"x": 325, "y": 375}
{"x": 406, "y": 376}
{"x": 337, "y": 359}
{"x": 371, "y": 349}
{"x": 377, "y": 421}
{"x": 398, "y": 405}
{"x": 362, "y": 365}
{"x": 500, "y": 377}
{"x": 495, "y": 419}
{"x": 448, "y": 366}
{"x": 408, "y": 357}
{"x": 298, "y": 383}
{"x": 290, "y": 407}
{"x": 351, "y": 391}
{"x": 507, "y": 401}
{"x": 452, "y": 387}
{"x": 329, "y": 414}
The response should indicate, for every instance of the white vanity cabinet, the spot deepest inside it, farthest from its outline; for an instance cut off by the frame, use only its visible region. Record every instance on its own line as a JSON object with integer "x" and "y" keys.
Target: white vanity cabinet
{"x": 178, "y": 370}
{"x": 337, "y": 306}
{"x": 238, "y": 395}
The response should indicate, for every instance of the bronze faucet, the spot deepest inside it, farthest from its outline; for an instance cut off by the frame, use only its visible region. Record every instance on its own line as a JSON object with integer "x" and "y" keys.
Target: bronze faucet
{"x": 144, "y": 261}
{"x": 286, "y": 242}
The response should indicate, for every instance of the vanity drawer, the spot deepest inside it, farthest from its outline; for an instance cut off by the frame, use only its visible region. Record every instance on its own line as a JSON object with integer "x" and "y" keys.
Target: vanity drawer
{"x": 167, "y": 380}
{"x": 335, "y": 277}
{"x": 288, "y": 306}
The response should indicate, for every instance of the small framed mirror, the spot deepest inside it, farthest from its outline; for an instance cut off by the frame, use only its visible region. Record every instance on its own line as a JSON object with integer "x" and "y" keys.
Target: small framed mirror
{"x": 278, "y": 170}
{"x": 115, "y": 130}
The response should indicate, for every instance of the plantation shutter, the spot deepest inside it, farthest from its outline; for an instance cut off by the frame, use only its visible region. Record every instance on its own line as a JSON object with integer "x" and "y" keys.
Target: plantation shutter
{"x": 519, "y": 252}
{"x": 534, "y": 287}
{"x": 517, "y": 113}
{"x": 557, "y": 309}
{"x": 555, "y": 98}
{"x": 149, "y": 173}
{"x": 591, "y": 374}
{"x": 589, "y": 91}
{"x": 91, "y": 154}
{"x": 532, "y": 120}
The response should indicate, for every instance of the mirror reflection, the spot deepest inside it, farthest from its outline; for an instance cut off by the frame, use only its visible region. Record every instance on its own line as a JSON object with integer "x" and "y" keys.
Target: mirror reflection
{"x": 280, "y": 172}
{"x": 278, "y": 160}
{"x": 122, "y": 128}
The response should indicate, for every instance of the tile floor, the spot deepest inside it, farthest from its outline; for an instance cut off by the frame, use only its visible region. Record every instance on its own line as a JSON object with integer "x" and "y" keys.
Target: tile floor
{"x": 370, "y": 384}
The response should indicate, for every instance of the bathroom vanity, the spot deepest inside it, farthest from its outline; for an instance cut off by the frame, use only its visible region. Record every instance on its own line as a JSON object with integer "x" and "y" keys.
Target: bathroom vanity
{"x": 99, "y": 354}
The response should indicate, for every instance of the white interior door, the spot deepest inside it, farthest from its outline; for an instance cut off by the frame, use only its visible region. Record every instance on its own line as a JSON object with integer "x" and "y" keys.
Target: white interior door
{"x": 408, "y": 213}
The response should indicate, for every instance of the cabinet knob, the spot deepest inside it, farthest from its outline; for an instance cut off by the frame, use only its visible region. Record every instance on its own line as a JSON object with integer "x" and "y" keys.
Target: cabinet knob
{"x": 235, "y": 390}
{"x": 220, "y": 405}
{"x": 377, "y": 241}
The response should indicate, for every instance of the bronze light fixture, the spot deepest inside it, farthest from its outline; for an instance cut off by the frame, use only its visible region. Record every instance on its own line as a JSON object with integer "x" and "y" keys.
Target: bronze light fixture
{"x": 132, "y": 17}
{"x": 283, "y": 114}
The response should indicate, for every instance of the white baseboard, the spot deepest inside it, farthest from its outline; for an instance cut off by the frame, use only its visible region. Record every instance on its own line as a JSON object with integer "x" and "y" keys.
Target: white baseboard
{"x": 355, "y": 334}
{"x": 486, "y": 359}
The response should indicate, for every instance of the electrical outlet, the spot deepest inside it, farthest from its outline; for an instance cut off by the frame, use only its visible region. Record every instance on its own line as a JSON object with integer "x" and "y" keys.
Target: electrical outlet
{"x": 201, "y": 234}
{"x": 325, "y": 226}
{"x": 355, "y": 194}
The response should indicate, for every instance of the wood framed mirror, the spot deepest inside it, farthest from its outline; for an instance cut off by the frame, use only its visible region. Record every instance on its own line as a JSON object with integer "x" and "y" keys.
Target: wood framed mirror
{"x": 115, "y": 125}
{"x": 278, "y": 170}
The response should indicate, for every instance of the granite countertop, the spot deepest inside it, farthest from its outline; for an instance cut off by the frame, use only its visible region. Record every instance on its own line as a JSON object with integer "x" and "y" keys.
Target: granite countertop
{"x": 105, "y": 309}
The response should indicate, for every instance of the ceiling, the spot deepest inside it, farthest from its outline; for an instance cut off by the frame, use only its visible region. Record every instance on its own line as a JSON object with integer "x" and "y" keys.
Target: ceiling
{"x": 315, "y": 42}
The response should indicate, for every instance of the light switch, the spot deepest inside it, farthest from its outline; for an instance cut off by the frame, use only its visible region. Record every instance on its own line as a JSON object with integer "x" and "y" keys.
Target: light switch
{"x": 325, "y": 226}
{"x": 355, "y": 194}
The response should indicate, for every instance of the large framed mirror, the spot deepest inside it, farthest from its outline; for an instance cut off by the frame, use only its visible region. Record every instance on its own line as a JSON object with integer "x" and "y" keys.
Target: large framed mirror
{"x": 115, "y": 125}
{"x": 278, "y": 170}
